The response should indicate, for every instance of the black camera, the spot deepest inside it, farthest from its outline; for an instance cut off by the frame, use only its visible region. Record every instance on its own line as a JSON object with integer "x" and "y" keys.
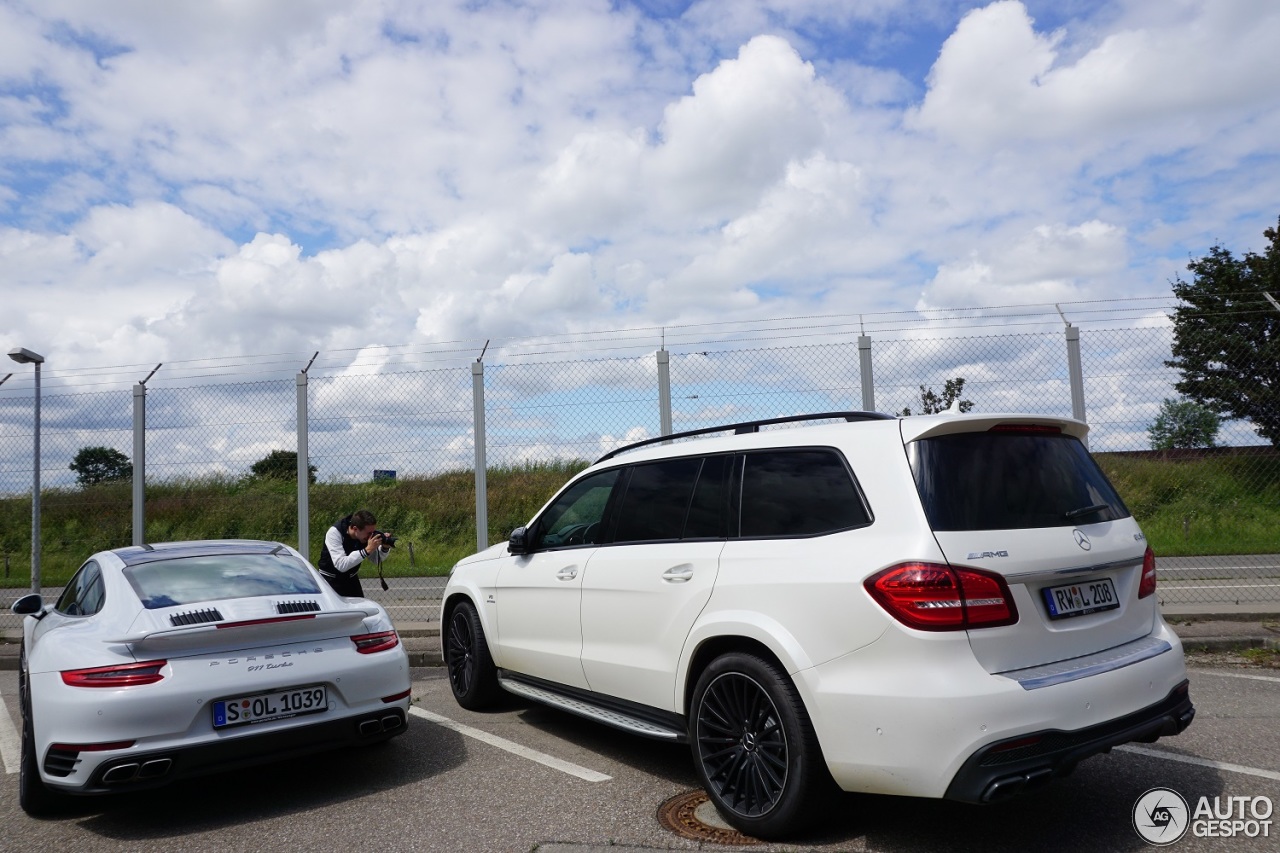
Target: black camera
{"x": 388, "y": 541}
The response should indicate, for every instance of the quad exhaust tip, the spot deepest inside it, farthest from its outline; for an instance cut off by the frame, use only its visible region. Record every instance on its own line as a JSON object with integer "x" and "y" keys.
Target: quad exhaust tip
{"x": 135, "y": 771}
{"x": 389, "y": 723}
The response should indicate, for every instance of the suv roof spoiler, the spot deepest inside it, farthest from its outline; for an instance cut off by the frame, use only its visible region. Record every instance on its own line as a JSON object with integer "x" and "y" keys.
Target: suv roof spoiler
{"x": 751, "y": 426}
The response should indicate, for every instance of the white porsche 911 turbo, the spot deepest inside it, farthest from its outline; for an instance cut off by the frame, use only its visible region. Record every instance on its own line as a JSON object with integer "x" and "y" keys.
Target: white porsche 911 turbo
{"x": 165, "y": 661}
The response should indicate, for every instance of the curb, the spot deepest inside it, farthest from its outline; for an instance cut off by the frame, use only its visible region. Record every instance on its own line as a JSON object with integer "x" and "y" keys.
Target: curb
{"x": 1228, "y": 644}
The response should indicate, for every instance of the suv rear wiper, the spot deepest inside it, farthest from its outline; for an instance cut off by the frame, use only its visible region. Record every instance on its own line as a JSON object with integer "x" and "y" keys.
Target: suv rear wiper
{"x": 1084, "y": 510}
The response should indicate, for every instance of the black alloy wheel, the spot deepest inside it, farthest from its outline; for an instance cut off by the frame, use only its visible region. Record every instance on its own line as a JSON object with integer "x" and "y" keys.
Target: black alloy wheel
{"x": 472, "y": 675}
{"x": 754, "y": 747}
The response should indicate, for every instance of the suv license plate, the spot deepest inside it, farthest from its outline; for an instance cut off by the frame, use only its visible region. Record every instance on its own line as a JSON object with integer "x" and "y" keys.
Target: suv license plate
{"x": 1077, "y": 599}
{"x": 261, "y": 707}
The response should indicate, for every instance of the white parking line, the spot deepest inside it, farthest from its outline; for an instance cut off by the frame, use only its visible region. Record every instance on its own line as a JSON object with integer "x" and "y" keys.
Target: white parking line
{"x": 10, "y": 747}
{"x": 1181, "y": 586}
{"x": 1200, "y": 762}
{"x": 513, "y": 747}
{"x": 1235, "y": 675}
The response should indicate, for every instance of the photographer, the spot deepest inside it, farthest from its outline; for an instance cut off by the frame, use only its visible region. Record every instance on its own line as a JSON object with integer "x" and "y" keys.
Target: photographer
{"x": 352, "y": 540}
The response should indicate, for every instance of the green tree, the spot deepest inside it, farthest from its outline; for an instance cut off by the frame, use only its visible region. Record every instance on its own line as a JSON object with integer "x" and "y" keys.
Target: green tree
{"x": 1184, "y": 423}
{"x": 1226, "y": 335}
{"x": 931, "y": 403}
{"x": 280, "y": 465}
{"x": 100, "y": 465}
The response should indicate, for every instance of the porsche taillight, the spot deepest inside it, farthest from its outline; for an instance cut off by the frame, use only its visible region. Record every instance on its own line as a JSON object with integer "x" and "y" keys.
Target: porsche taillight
{"x": 1147, "y": 586}
{"x": 367, "y": 644}
{"x": 123, "y": 675}
{"x": 935, "y": 597}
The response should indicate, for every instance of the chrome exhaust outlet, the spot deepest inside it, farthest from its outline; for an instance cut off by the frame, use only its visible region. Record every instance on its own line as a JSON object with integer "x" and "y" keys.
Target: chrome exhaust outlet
{"x": 155, "y": 768}
{"x": 370, "y": 727}
{"x": 120, "y": 773}
{"x": 390, "y": 722}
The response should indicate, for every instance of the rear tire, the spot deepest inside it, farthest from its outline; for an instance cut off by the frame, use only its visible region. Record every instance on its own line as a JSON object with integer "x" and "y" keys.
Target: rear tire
{"x": 472, "y": 675}
{"x": 34, "y": 796}
{"x": 755, "y": 749}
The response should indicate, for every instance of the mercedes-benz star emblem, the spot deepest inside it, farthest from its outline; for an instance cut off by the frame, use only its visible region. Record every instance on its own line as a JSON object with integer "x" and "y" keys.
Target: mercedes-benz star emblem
{"x": 1081, "y": 539}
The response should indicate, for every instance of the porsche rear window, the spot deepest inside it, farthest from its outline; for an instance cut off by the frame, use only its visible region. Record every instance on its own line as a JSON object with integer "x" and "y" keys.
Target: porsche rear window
{"x": 191, "y": 580}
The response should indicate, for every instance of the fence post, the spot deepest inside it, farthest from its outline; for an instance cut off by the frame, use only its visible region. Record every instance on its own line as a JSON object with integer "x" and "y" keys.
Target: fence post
{"x": 139, "y": 462}
{"x": 482, "y": 495}
{"x": 304, "y": 471}
{"x": 1076, "y": 374}
{"x": 664, "y": 391}
{"x": 868, "y": 383}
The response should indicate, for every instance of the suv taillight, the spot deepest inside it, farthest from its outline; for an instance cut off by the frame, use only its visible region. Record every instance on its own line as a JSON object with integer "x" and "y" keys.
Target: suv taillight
{"x": 934, "y": 597}
{"x": 1147, "y": 585}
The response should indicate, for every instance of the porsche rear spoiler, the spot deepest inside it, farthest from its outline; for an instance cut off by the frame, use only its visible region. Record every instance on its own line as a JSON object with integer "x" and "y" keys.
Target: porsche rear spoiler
{"x": 272, "y": 630}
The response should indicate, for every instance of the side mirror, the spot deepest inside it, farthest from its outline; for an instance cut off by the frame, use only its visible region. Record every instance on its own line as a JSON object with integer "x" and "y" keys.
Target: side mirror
{"x": 28, "y": 605}
{"x": 519, "y": 541}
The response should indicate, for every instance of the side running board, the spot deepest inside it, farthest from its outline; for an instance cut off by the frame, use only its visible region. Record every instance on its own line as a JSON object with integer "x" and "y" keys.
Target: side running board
{"x": 600, "y": 709}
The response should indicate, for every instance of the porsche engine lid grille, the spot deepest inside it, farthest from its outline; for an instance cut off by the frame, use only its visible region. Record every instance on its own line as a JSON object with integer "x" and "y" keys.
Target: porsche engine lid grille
{"x": 297, "y": 607}
{"x": 195, "y": 617}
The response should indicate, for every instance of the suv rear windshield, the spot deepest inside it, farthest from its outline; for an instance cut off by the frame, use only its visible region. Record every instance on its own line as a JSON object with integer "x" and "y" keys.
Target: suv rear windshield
{"x": 1010, "y": 481}
{"x": 191, "y": 580}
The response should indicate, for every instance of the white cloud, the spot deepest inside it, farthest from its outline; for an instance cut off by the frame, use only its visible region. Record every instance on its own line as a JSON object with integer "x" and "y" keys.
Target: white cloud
{"x": 998, "y": 81}
{"x": 246, "y": 178}
{"x": 1052, "y": 263}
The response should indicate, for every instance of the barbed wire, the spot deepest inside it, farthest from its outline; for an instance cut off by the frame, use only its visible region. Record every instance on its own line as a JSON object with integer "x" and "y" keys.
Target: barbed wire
{"x": 376, "y": 359}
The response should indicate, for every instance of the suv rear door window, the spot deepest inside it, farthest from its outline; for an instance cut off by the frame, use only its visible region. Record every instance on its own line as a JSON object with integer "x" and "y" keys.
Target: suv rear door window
{"x": 656, "y": 500}
{"x": 799, "y": 493}
{"x": 1010, "y": 480}
{"x": 709, "y": 510}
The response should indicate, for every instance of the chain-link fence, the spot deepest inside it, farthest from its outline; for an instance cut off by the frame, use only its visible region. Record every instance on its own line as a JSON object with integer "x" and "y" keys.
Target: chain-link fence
{"x": 402, "y": 442}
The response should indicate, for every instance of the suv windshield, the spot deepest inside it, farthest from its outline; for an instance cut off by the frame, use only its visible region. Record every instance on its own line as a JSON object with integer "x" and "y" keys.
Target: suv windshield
{"x": 1009, "y": 480}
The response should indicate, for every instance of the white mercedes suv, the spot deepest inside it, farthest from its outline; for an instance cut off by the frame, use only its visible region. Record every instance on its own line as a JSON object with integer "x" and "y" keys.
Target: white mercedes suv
{"x": 950, "y": 605}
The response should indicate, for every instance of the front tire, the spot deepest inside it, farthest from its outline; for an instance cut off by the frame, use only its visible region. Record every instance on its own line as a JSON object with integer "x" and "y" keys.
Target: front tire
{"x": 472, "y": 675}
{"x": 754, "y": 747}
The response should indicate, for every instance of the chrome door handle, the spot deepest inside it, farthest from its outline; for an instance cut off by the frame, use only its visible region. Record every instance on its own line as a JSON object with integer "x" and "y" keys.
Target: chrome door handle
{"x": 567, "y": 574}
{"x": 678, "y": 574}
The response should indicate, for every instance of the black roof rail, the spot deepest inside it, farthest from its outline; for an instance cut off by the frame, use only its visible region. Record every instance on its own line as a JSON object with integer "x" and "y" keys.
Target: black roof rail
{"x": 751, "y": 426}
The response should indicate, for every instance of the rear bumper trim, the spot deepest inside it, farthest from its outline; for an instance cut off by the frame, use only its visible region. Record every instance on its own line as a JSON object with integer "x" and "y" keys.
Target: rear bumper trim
{"x": 1060, "y": 672}
{"x": 150, "y": 769}
{"x": 1018, "y": 764}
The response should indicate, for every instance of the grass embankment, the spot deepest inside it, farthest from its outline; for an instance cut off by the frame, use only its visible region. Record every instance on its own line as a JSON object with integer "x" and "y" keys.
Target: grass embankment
{"x": 434, "y": 515}
{"x": 1220, "y": 505}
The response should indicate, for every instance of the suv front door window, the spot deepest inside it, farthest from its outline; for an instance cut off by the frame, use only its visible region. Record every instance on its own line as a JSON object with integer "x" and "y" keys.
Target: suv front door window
{"x": 576, "y": 515}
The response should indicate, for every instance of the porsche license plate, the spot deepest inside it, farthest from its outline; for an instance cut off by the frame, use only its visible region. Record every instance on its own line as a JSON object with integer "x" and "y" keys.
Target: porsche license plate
{"x": 1077, "y": 599}
{"x": 261, "y": 707}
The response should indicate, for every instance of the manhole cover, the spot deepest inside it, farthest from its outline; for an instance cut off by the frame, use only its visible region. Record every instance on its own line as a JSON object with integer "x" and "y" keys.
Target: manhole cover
{"x": 693, "y": 816}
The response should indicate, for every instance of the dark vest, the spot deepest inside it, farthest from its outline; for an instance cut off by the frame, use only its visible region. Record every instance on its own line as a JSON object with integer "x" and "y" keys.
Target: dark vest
{"x": 349, "y": 544}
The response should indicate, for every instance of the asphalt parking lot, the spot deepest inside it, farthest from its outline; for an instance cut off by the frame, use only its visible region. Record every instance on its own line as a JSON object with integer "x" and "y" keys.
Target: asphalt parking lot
{"x": 526, "y": 778}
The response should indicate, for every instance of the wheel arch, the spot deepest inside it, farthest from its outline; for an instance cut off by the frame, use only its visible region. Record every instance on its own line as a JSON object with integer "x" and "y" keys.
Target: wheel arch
{"x": 712, "y": 648}
{"x": 450, "y": 603}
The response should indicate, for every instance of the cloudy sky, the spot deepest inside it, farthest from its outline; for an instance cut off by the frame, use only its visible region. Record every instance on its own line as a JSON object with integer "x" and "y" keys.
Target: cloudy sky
{"x": 229, "y": 178}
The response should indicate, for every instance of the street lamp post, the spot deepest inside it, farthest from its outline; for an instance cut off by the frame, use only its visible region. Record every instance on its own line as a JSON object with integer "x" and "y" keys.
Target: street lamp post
{"x": 26, "y": 356}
